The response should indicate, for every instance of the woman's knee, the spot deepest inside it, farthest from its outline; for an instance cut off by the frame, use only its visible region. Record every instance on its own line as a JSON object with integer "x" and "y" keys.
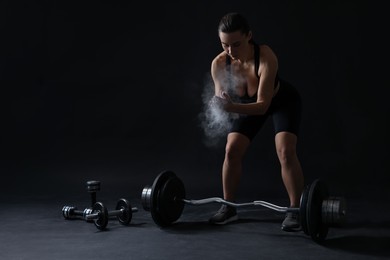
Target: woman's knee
{"x": 232, "y": 152}
{"x": 286, "y": 147}
{"x": 286, "y": 154}
{"x": 235, "y": 148}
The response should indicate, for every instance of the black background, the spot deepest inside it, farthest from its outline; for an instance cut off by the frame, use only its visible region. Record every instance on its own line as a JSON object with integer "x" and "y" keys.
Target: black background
{"x": 112, "y": 90}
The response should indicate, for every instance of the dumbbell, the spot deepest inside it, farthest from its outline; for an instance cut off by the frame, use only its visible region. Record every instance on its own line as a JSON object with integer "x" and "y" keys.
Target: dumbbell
{"x": 166, "y": 198}
{"x": 72, "y": 212}
{"x": 100, "y": 215}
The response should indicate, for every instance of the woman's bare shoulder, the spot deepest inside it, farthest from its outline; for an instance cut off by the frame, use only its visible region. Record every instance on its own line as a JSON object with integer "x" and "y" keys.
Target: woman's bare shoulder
{"x": 219, "y": 60}
{"x": 266, "y": 50}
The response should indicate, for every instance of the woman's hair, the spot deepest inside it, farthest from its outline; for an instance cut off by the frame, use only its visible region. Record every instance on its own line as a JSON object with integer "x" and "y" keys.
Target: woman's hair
{"x": 232, "y": 22}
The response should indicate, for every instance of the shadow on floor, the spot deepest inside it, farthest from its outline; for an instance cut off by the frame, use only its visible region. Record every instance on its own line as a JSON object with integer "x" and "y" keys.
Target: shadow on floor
{"x": 202, "y": 226}
{"x": 359, "y": 244}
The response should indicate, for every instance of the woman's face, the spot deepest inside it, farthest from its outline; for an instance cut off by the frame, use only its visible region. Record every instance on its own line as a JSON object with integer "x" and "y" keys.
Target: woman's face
{"x": 235, "y": 43}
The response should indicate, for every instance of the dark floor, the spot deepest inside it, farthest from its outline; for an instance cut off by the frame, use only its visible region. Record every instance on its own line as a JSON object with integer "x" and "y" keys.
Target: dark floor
{"x": 36, "y": 229}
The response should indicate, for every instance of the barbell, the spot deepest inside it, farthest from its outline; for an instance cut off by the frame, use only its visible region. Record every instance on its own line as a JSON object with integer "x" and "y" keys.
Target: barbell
{"x": 166, "y": 197}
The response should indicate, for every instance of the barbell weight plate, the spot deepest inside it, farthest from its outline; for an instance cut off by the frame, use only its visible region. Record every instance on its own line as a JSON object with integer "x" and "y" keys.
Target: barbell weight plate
{"x": 102, "y": 221}
{"x": 146, "y": 197}
{"x": 127, "y": 213}
{"x": 326, "y": 211}
{"x": 163, "y": 193}
{"x": 317, "y": 193}
{"x": 340, "y": 212}
{"x": 154, "y": 194}
{"x": 170, "y": 200}
{"x": 303, "y": 209}
{"x": 334, "y": 211}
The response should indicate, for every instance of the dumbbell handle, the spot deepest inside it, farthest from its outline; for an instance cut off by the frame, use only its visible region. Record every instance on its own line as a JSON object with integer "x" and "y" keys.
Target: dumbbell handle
{"x": 93, "y": 216}
{"x": 119, "y": 211}
{"x": 254, "y": 203}
{"x": 110, "y": 213}
{"x": 81, "y": 212}
{"x": 93, "y": 198}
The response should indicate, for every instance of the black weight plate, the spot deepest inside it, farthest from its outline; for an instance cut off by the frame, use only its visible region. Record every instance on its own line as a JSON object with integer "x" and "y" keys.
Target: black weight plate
{"x": 339, "y": 211}
{"x": 334, "y": 211}
{"x": 303, "y": 209}
{"x": 318, "y": 192}
{"x": 127, "y": 213}
{"x": 93, "y": 186}
{"x": 161, "y": 179}
{"x": 170, "y": 197}
{"x": 102, "y": 221}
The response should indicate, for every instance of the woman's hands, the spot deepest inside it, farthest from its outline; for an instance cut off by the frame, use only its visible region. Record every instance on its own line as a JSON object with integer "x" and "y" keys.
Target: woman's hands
{"x": 222, "y": 101}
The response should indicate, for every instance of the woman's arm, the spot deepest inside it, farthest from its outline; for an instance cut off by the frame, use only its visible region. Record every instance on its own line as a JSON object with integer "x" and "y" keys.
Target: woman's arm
{"x": 218, "y": 75}
{"x": 267, "y": 71}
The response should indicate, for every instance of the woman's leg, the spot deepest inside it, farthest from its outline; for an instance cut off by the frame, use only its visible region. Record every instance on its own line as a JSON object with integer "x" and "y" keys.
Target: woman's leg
{"x": 236, "y": 147}
{"x": 292, "y": 175}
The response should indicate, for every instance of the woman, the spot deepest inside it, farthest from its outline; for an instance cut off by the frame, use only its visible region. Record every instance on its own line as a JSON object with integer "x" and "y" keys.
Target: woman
{"x": 247, "y": 84}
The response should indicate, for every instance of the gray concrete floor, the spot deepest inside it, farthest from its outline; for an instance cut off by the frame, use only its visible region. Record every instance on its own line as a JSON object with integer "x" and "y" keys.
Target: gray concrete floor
{"x": 34, "y": 228}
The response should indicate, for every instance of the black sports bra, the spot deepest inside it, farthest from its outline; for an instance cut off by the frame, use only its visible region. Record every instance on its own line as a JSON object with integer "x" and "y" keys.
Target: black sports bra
{"x": 246, "y": 97}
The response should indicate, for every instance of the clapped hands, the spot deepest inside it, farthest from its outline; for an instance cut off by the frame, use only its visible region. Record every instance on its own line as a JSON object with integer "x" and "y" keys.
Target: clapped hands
{"x": 222, "y": 101}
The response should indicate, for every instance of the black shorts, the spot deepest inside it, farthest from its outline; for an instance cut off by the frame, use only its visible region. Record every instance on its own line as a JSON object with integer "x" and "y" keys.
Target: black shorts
{"x": 285, "y": 110}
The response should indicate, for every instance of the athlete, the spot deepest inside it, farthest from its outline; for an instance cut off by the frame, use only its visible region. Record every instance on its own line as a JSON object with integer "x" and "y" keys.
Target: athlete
{"x": 247, "y": 85}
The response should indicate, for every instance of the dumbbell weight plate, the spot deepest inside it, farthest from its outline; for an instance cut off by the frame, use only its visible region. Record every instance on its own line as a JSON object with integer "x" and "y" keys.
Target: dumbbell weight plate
{"x": 166, "y": 194}
{"x": 102, "y": 221}
{"x": 127, "y": 213}
{"x": 93, "y": 186}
